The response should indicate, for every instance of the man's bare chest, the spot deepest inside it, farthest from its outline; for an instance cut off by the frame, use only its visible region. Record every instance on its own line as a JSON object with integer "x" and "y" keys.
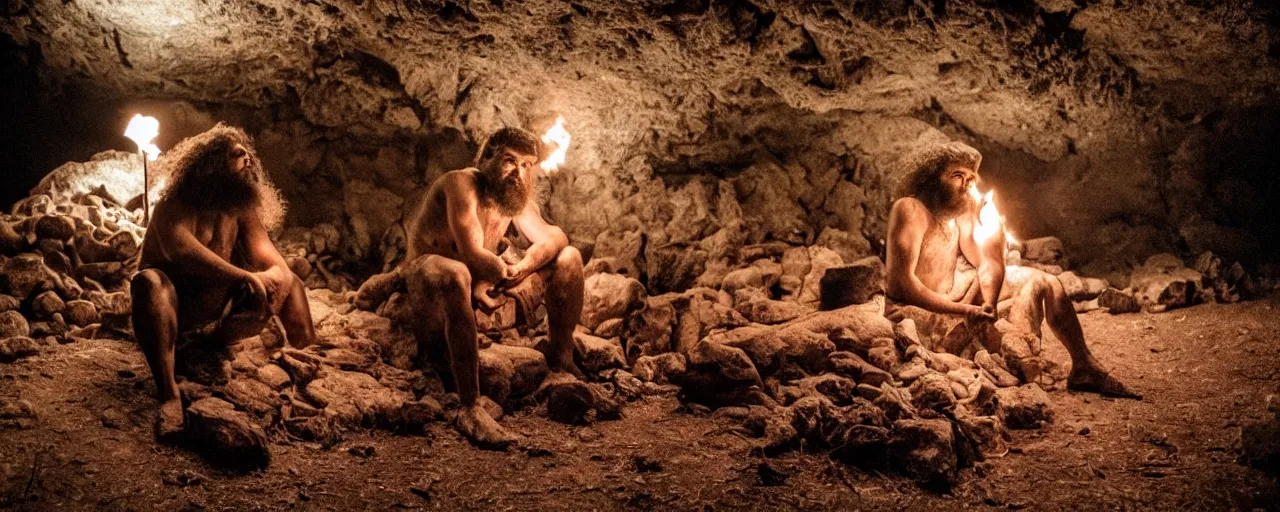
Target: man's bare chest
{"x": 219, "y": 233}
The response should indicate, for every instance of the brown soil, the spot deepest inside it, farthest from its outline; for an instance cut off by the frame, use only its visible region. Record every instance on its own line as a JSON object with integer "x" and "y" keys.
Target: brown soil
{"x": 1205, "y": 372}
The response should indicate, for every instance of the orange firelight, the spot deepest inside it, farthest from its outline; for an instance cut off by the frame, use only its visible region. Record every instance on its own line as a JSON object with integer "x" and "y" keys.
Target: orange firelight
{"x": 560, "y": 137}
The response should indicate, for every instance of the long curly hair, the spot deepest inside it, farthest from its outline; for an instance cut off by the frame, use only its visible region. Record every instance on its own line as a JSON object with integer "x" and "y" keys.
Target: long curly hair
{"x": 198, "y": 172}
{"x": 924, "y": 166}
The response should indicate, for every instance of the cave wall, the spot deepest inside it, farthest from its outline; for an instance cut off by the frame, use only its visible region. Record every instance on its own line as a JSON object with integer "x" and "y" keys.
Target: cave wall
{"x": 1124, "y": 127}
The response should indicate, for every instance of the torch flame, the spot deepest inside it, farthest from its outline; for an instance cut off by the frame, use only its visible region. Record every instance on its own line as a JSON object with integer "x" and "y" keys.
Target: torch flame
{"x": 142, "y": 129}
{"x": 560, "y": 137}
{"x": 989, "y": 219}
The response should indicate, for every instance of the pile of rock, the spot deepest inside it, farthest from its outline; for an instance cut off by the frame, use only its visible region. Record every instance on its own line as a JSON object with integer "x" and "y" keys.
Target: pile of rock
{"x": 66, "y": 255}
{"x": 316, "y": 256}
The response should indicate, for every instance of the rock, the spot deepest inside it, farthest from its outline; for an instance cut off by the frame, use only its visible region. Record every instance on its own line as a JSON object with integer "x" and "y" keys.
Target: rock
{"x": 273, "y": 376}
{"x": 81, "y": 313}
{"x": 8, "y": 303}
{"x": 625, "y": 250}
{"x": 849, "y": 246}
{"x": 855, "y": 283}
{"x": 17, "y": 347}
{"x": 124, "y": 244}
{"x": 749, "y": 277}
{"x": 838, "y": 389}
{"x": 1118, "y": 302}
{"x": 226, "y": 436}
{"x": 932, "y": 391}
{"x": 508, "y": 372}
{"x": 610, "y": 296}
{"x": 820, "y": 259}
{"x": 1046, "y": 251}
{"x": 649, "y": 330}
{"x": 26, "y": 275}
{"x": 110, "y": 304}
{"x": 253, "y": 396}
{"x": 595, "y": 354}
{"x": 1024, "y": 407}
{"x": 12, "y": 324}
{"x": 885, "y": 358}
{"x": 1260, "y": 445}
{"x": 47, "y": 304}
{"x": 854, "y": 367}
{"x": 18, "y": 414}
{"x": 1209, "y": 265}
{"x": 925, "y": 450}
{"x": 756, "y": 306}
{"x": 1162, "y": 283}
{"x": 353, "y": 398}
{"x": 660, "y": 369}
{"x": 55, "y": 227}
{"x": 673, "y": 268}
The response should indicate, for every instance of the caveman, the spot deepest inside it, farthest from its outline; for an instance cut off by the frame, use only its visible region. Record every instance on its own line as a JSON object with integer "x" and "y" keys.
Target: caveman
{"x": 932, "y": 230}
{"x": 452, "y": 268}
{"x": 209, "y": 273}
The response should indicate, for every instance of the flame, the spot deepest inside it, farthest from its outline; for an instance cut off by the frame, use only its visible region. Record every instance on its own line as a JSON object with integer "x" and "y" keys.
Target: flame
{"x": 142, "y": 129}
{"x": 560, "y": 137}
{"x": 989, "y": 219}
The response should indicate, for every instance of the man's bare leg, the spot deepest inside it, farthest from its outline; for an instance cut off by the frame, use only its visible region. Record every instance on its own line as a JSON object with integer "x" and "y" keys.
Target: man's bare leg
{"x": 564, "y": 309}
{"x": 296, "y": 316}
{"x": 435, "y": 281}
{"x": 155, "y": 325}
{"x": 1045, "y": 297}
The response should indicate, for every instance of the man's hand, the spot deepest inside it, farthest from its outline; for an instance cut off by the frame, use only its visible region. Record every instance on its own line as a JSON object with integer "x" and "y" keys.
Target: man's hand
{"x": 277, "y": 282}
{"x": 512, "y": 275}
{"x": 975, "y": 314}
{"x": 257, "y": 292}
{"x": 485, "y": 296}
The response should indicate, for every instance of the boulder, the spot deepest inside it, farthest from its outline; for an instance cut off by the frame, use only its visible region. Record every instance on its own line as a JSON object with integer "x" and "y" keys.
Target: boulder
{"x": 593, "y": 354}
{"x": 1118, "y": 302}
{"x": 1045, "y": 251}
{"x": 749, "y": 277}
{"x": 8, "y": 303}
{"x": 661, "y": 368}
{"x": 47, "y": 304}
{"x": 756, "y": 306}
{"x": 673, "y": 268}
{"x": 649, "y": 330}
{"x": 625, "y": 250}
{"x": 932, "y": 391}
{"x": 273, "y": 376}
{"x": 81, "y": 313}
{"x": 820, "y": 260}
{"x": 1024, "y": 407}
{"x": 924, "y": 449}
{"x": 17, "y": 347}
{"x": 353, "y": 398}
{"x": 849, "y": 246}
{"x": 55, "y": 227}
{"x": 609, "y": 296}
{"x": 508, "y": 372}
{"x": 254, "y": 397}
{"x": 12, "y": 324}
{"x": 26, "y": 275}
{"x": 855, "y": 283}
{"x": 227, "y": 437}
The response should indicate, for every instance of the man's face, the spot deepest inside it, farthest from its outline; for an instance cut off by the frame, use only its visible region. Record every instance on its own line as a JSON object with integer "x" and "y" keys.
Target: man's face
{"x": 240, "y": 161}
{"x": 510, "y": 174}
{"x": 956, "y": 180}
{"x": 514, "y": 165}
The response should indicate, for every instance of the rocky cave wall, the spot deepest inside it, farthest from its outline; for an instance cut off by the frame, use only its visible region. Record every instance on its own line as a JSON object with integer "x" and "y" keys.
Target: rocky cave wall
{"x": 1123, "y": 127}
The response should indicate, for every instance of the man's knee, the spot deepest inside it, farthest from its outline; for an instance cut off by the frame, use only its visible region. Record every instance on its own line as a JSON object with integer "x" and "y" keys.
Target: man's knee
{"x": 570, "y": 258}
{"x": 1048, "y": 285}
{"x": 450, "y": 277}
{"x": 151, "y": 286}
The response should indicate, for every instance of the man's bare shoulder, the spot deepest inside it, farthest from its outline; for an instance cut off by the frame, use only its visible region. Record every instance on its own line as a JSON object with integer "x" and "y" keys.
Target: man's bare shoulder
{"x": 910, "y": 210}
{"x": 461, "y": 180}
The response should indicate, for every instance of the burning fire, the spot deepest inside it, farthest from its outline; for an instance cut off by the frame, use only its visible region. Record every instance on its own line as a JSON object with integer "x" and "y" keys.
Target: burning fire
{"x": 142, "y": 129}
{"x": 989, "y": 218}
{"x": 560, "y": 137}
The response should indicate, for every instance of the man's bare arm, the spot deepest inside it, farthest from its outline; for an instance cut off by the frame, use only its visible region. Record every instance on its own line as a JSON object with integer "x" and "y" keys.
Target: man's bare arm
{"x": 987, "y": 256}
{"x": 908, "y": 221}
{"x": 460, "y": 207}
{"x": 547, "y": 240}
{"x": 174, "y": 228}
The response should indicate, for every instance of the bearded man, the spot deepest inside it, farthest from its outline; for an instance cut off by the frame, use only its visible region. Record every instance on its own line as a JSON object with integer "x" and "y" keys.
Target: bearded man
{"x": 209, "y": 273}
{"x": 932, "y": 231}
{"x": 452, "y": 267}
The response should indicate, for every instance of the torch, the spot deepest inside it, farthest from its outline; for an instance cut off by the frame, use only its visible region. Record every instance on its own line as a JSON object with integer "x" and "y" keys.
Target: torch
{"x": 142, "y": 129}
{"x": 560, "y": 137}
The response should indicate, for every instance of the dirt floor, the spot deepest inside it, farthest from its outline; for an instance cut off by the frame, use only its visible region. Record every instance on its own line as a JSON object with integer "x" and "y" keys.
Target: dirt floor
{"x": 1204, "y": 370}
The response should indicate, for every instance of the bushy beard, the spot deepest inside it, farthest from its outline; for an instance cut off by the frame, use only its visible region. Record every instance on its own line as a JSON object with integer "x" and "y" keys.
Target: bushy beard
{"x": 233, "y": 193}
{"x": 509, "y": 194}
{"x": 943, "y": 202}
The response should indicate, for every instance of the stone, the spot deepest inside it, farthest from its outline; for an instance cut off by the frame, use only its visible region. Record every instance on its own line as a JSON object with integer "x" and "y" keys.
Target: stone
{"x": 756, "y": 306}
{"x": 673, "y": 268}
{"x": 749, "y": 277}
{"x": 227, "y": 437}
{"x": 18, "y": 413}
{"x": 81, "y": 313}
{"x": 925, "y": 450}
{"x": 12, "y": 324}
{"x": 8, "y": 303}
{"x": 353, "y": 398}
{"x": 1118, "y": 302}
{"x": 254, "y": 397}
{"x": 593, "y": 354}
{"x": 661, "y": 369}
{"x": 624, "y": 249}
{"x": 17, "y": 347}
{"x": 1045, "y": 250}
{"x": 47, "y": 304}
{"x": 26, "y": 275}
{"x": 1024, "y": 407}
{"x": 820, "y": 260}
{"x": 849, "y": 246}
{"x": 855, "y": 283}
{"x": 508, "y": 372}
{"x": 854, "y": 367}
{"x": 124, "y": 244}
{"x": 55, "y": 227}
{"x": 273, "y": 376}
{"x": 932, "y": 391}
{"x": 885, "y": 358}
{"x": 649, "y": 330}
{"x": 1163, "y": 283}
{"x": 838, "y": 389}
{"x": 110, "y": 304}
{"x": 610, "y": 296}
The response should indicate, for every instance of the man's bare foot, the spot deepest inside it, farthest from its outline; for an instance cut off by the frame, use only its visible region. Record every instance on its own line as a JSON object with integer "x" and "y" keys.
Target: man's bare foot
{"x": 1096, "y": 380}
{"x": 169, "y": 419}
{"x": 481, "y": 429}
